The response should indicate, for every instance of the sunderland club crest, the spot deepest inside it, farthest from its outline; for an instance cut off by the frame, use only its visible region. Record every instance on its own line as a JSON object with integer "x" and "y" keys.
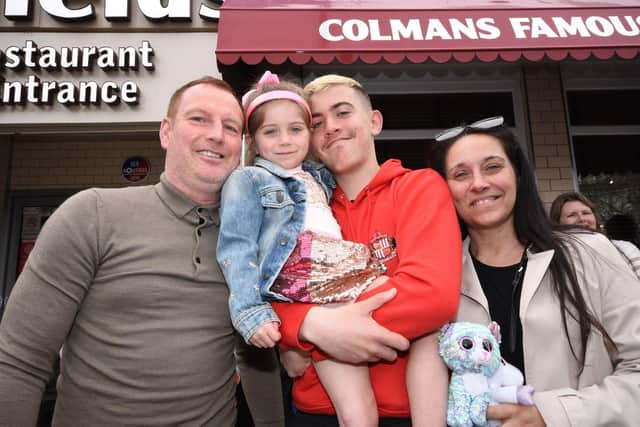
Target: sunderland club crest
{"x": 383, "y": 247}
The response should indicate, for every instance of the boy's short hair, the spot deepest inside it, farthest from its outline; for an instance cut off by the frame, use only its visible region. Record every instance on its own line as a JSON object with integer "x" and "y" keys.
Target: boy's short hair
{"x": 323, "y": 82}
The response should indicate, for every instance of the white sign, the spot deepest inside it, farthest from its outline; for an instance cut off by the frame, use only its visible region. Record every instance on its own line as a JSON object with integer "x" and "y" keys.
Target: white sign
{"x": 98, "y": 77}
{"x": 34, "y": 90}
{"x": 114, "y": 10}
{"x": 356, "y": 30}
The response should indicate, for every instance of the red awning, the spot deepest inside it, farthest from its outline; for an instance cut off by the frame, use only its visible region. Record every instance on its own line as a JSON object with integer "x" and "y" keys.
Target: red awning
{"x": 421, "y": 30}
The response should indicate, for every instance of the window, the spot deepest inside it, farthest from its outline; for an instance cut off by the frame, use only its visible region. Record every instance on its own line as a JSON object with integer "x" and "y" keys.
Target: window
{"x": 441, "y": 110}
{"x": 602, "y": 103}
{"x": 419, "y": 100}
{"x": 413, "y": 153}
{"x": 607, "y": 154}
{"x": 410, "y": 113}
{"x": 586, "y": 107}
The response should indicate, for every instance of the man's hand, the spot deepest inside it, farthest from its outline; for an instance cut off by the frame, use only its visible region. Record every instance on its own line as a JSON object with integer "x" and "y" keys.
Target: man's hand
{"x": 266, "y": 336}
{"x": 516, "y": 415}
{"x": 295, "y": 361}
{"x": 349, "y": 334}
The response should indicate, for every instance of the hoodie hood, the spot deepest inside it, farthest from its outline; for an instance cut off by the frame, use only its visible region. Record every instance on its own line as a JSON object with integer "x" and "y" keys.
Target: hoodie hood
{"x": 389, "y": 170}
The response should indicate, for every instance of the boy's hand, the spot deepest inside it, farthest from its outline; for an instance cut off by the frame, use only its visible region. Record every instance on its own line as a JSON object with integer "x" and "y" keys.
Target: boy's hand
{"x": 349, "y": 334}
{"x": 377, "y": 282}
{"x": 266, "y": 336}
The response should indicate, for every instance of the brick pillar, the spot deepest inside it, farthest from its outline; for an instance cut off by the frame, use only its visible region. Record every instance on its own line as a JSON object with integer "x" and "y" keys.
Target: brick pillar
{"x": 549, "y": 133}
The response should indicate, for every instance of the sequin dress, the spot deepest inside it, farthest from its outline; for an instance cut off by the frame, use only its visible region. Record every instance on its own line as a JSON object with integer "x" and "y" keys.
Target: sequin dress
{"x": 324, "y": 268}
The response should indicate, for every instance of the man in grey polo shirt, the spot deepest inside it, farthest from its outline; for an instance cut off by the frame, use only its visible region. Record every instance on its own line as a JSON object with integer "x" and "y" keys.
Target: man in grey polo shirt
{"x": 125, "y": 282}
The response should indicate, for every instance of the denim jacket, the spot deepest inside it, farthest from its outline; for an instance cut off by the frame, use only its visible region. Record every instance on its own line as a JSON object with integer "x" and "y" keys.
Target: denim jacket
{"x": 262, "y": 212}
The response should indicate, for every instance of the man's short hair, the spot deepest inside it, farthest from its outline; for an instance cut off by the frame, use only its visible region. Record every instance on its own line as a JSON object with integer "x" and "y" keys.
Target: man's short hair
{"x": 323, "y": 82}
{"x": 174, "y": 101}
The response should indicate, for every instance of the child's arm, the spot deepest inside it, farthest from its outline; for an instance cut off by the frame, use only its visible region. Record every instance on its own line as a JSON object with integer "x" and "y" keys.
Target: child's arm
{"x": 241, "y": 217}
{"x": 266, "y": 336}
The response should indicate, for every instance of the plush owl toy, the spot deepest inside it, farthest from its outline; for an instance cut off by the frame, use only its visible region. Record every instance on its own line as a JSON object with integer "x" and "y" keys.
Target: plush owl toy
{"x": 479, "y": 377}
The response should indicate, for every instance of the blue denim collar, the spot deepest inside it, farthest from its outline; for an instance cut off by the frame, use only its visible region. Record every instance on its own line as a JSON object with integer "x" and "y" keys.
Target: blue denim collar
{"x": 283, "y": 173}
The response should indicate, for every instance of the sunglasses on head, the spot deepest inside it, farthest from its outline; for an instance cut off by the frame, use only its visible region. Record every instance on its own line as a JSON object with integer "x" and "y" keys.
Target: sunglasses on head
{"x": 489, "y": 123}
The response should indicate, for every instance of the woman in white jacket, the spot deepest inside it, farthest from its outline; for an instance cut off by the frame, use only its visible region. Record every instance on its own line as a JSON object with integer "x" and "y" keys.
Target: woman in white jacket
{"x": 567, "y": 303}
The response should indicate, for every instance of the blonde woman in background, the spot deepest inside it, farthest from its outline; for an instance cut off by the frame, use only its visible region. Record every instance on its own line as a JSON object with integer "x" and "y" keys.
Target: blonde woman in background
{"x": 574, "y": 209}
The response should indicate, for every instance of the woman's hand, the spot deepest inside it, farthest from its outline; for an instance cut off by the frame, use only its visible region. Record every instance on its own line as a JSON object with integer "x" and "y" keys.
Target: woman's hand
{"x": 266, "y": 336}
{"x": 516, "y": 415}
{"x": 295, "y": 361}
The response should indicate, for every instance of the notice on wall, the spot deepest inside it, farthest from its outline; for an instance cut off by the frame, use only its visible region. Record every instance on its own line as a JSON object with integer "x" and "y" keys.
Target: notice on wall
{"x": 135, "y": 169}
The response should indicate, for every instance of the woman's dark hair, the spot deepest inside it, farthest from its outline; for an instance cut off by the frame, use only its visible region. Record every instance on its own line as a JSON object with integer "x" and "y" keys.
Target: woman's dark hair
{"x": 532, "y": 227}
{"x": 622, "y": 227}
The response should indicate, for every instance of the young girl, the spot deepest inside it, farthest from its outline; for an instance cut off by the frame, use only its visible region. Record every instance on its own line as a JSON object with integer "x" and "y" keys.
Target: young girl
{"x": 279, "y": 240}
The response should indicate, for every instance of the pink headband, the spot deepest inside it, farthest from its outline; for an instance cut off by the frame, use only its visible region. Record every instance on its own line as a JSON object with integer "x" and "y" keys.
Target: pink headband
{"x": 269, "y": 78}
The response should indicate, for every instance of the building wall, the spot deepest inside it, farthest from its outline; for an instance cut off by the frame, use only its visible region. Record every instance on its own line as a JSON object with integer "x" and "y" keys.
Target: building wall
{"x": 155, "y": 85}
{"x": 549, "y": 133}
{"x": 63, "y": 162}
{"x": 136, "y": 19}
{"x": 75, "y": 162}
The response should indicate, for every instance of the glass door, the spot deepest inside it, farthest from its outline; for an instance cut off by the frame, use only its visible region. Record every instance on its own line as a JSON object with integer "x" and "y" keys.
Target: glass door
{"x": 29, "y": 211}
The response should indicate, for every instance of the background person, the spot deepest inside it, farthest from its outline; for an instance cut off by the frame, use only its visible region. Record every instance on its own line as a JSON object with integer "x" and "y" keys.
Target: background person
{"x": 125, "y": 282}
{"x": 570, "y": 318}
{"x": 409, "y": 217}
{"x": 623, "y": 232}
{"x": 574, "y": 209}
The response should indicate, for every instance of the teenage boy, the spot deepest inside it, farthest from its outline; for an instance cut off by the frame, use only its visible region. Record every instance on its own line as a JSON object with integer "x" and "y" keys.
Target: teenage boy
{"x": 408, "y": 220}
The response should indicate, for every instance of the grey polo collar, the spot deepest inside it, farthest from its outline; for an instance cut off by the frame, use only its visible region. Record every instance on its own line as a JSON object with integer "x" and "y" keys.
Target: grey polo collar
{"x": 179, "y": 204}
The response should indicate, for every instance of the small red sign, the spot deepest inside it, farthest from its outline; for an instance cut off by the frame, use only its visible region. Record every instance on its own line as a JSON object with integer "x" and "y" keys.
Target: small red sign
{"x": 135, "y": 169}
{"x": 26, "y": 246}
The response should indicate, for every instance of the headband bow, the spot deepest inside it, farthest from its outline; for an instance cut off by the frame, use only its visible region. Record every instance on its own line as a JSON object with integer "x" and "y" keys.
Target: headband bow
{"x": 267, "y": 78}
{"x": 270, "y": 78}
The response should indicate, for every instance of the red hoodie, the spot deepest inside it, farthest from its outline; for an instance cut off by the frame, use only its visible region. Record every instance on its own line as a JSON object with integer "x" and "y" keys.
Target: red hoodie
{"x": 411, "y": 210}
